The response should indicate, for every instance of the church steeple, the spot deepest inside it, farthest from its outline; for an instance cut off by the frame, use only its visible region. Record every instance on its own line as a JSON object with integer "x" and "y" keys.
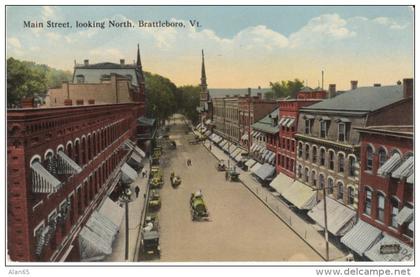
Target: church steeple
{"x": 203, "y": 74}
{"x": 139, "y": 66}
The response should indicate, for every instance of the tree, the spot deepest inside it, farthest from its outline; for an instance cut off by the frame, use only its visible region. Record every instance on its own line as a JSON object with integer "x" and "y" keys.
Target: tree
{"x": 286, "y": 88}
{"x": 190, "y": 96}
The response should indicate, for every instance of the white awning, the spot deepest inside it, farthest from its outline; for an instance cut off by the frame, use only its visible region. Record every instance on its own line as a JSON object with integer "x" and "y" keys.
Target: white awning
{"x": 405, "y": 169}
{"x": 253, "y": 146}
{"x": 130, "y": 144}
{"x": 245, "y": 137}
{"x": 410, "y": 179}
{"x": 272, "y": 158}
{"x": 226, "y": 147}
{"x": 199, "y": 125}
{"x": 282, "y": 120}
{"x": 232, "y": 149}
{"x": 92, "y": 246}
{"x": 128, "y": 173}
{"x": 405, "y": 215}
{"x": 255, "y": 167}
{"x": 286, "y": 121}
{"x": 67, "y": 165}
{"x": 405, "y": 252}
{"x": 411, "y": 226}
{"x": 361, "y": 237}
{"x": 222, "y": 143}
{"x": 290, "y": 123}
{"x": 136, "y": 157}
{"x": 249, "y": 163}
{"x": 281, "y": 183}
{"x": 112, "y": 211}
{"x": 340, "y": 217}
{"x": 301, "y": 196}
{"x": 390, "y": 165}
{"x": 42, "y": 180}
{"x": 265, "y": 171}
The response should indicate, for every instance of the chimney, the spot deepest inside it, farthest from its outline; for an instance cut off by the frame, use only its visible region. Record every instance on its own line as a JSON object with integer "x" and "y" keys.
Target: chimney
{"x": 86, "y": 62}
{"x": 122, "y": 61}
{"x": 27, "y": 102}
{"x": 408, "y": 88}
{"x": 376, "y": 84}
{"x": 332, "y": 91}
{"x": 353, "y": 84}
{"x": 68, "y": 102}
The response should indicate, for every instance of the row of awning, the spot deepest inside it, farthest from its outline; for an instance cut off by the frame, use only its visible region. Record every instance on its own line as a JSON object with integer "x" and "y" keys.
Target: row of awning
{"x": 287, "y": 121}
{"x": 215, "y": 138}
{"x": 100, "y": 231}
{"x": 263, "y": 171}
{"x": 398, "y": 168}
{"x": 265, "y": 154}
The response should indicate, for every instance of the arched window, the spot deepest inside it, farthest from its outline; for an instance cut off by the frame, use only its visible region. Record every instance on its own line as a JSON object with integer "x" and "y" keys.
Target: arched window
{"x": 330, "y": 188}
{"x": 340, "y": 162}
{"x": 350, "y": 195}
{"x": 394, "y": 212}
{"x": 76, "y": 152}
{"x": 300, "y": 171}
{"x": 314, "y": 154}
{"x": 321, "y": 181}
{"x": 368, "y": 201}
{"x": 306, "y": 152}
{"x": 352, "y": 166}
{"x": 331, "y": 160}
{"x": 83, "y": 150}
{"x": 307, "y": 175}
{"x": 369, "y": 158}
{"x": 300, "y": 146}
{"x": 313, "y": 178}
{"x": 380, "y": 215}
{"x": 340, "y": 191}
{"x": 322, "y": 156}
{"x": 382, "y": 157}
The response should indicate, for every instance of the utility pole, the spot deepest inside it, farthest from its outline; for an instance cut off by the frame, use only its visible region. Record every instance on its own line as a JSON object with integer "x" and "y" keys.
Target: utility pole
{"x": 327, "y": 246}
{"x": 249, "y": 120}
{"x": 322, "y": 78}
{"x": 126, "y": 231}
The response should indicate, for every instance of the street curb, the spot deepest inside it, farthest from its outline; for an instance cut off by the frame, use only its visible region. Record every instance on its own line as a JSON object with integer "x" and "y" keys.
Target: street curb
{"x": 273, "y": 211}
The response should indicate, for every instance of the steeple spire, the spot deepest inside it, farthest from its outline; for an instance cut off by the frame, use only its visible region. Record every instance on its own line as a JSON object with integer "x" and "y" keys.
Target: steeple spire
{"x": 139, "y": 66}
{"x": 203, "y": 73}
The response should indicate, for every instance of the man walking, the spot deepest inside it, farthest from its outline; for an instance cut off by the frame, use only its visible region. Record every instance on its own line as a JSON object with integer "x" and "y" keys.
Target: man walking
{"x": 137, "y": 190}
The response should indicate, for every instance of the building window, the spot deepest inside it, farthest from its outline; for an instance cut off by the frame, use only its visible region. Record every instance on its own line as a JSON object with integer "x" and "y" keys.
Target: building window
{"x": 322, "y": 157}
{"x": 352, "y": 166}
{"x": 314, "y": 154}
{"x": 313, "y": 178}
{"x": 307, "y": 175}
{"x": 368, "y": 201}
{"x": 331, "y": 160}
{"x": 323, "y": 128}
{"x": 340, "y": 193}
{"x": 300, "y": 146}
{"x": 340, "y": 163}
{"x": 306, "y": 152}
{"x": 330, "y": 188}
{"x": 394, "y": 212}
{"x": 80, "y": 79}
{"x": 308, "y": 126}
{"x": 369, "y": 158}
{"x": 341, "y": 132}
{"x": 321, "y": 181}
{"x": 382, "y": 157}
{"x": 350, "y": 196}
{"x": 300, "y": 171}
{"x": 381, "y": 207}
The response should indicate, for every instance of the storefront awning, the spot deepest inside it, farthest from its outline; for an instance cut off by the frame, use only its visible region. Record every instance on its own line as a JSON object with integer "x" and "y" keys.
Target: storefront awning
{"x": 226, "y": 147}
{"x": 255, "y": 167}
{"x": 282, "y": 119}
{"x": 232, "y": 149}
{"x": 405, "y": 169}
{"x": 390, "y": 165}
{"x": 410, "y": 179}
{"x": 208, "y": 121}
{"x": 290, "y": 123}
{"x": 272, "y": 158}
{"x": 281, "y": 183}
{"x": 405, "y": 215}
{"x": 393, "y": 250}
{"x": 222, "y": 143}
{"x": 340, "y": 217}
{"x": 249, "y": 163}
{"x": 361, "y": 237}
{"x": 42, "y": 180}
{"x": 136, "y": 157}
{"x": 244, "y": 137}
{"x": 265, "y": 171}
{"x": 113, "y": 211}
{"x": 130, "y": 144}
{"x": 128, "y": 173}
{"x": 67, "y": 165}
{"x": 301, "y": 196}
{"x": 207, "y": 133}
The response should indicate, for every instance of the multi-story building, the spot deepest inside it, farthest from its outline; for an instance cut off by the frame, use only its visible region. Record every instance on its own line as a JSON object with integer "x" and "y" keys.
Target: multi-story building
{"x": 62, "y": 165}
{"x": 328, "y": 145}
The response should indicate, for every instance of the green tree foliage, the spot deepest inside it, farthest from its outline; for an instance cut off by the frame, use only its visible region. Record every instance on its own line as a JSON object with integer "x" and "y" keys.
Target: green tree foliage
{"x": 28, "y": 79}
{"x": 285, "y": 88}
{"x": 160, "y": 97}
{"x": 190, "y": 99}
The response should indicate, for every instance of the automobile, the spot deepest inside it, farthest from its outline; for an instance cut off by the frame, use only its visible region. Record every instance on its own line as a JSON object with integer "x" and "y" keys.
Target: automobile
{"x": 175, "y": 180}
{"x": 221, "y": 166}
{"x": 150, "y": 246}
{"x": 154, "y": 200}
{"x": 198, "y": 208}
{"x": 232, "y": 175}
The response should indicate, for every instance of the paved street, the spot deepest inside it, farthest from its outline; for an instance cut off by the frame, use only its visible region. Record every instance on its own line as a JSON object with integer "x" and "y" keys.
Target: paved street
{"x": 241, "y": 227}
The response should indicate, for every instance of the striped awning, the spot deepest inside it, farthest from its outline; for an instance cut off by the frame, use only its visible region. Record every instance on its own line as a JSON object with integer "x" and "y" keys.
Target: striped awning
{"x": 245, "y": 137}
{"x": 405, "y": 169}
{"x": 290, "y": 122}
{"x": 282, "y": 120}
{"x": 42, "y": 180}
{"x": 361, "y": 237}
{"x": 66, "y": 164}
{"x": 405, "y": 215}
{"x": 272, "y": 158}
{"x": 285, "y": 121}
{"x": 390, "y": 165}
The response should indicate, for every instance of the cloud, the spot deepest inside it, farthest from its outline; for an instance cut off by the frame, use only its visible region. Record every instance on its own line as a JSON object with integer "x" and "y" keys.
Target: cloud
{"x": 49, "y": 13}
{"x": 260, "y": 37}
{"x": 320, "y": 29}
{"x": 14, "y": 42}
{"x": 389, "y": 22}
{"x": 105, "y": 54}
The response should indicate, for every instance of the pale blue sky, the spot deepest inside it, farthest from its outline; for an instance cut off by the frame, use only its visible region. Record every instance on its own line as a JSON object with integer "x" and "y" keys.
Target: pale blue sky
{"x": 244, "y": 46}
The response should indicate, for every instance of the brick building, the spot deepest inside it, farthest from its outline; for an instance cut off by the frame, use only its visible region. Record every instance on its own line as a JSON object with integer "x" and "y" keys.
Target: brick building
{"x": 62, "y": 164}
{"x": 328, "y": 146}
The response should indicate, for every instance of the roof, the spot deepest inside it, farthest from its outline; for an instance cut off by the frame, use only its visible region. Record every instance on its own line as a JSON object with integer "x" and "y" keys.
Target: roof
{"x": 363, "y": 99}
{"x": 222, "y": 92}
{"x": 106, "y": 65}
{"x": 145, "y": 121}
{"x": 265, "y": 125}
{"x": 361, "y": 237}
{"x": 405, "y": 254}
{"x": 406, "y": 131}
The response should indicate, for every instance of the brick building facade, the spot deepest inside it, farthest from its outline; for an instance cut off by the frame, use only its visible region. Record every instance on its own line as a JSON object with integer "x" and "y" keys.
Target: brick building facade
{"x": 62, "y": 162}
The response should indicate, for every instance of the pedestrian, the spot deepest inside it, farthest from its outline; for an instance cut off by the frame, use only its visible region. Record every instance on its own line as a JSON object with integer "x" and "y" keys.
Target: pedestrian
{"x": 145, "y": 173}
{"x": 210, "y": 147}
{"x": 137, "y": 190}
{"x": 226, "y": 175}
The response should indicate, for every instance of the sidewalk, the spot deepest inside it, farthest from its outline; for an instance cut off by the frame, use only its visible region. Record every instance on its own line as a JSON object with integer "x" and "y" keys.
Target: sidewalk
{"x": 135, "y": 211}
{"x": 306, "y": 231}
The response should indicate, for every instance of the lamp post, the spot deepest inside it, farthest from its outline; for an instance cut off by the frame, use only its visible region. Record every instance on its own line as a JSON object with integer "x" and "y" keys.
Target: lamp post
{"x": 125, "y": 198}
{"x": 324, "y": 198}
